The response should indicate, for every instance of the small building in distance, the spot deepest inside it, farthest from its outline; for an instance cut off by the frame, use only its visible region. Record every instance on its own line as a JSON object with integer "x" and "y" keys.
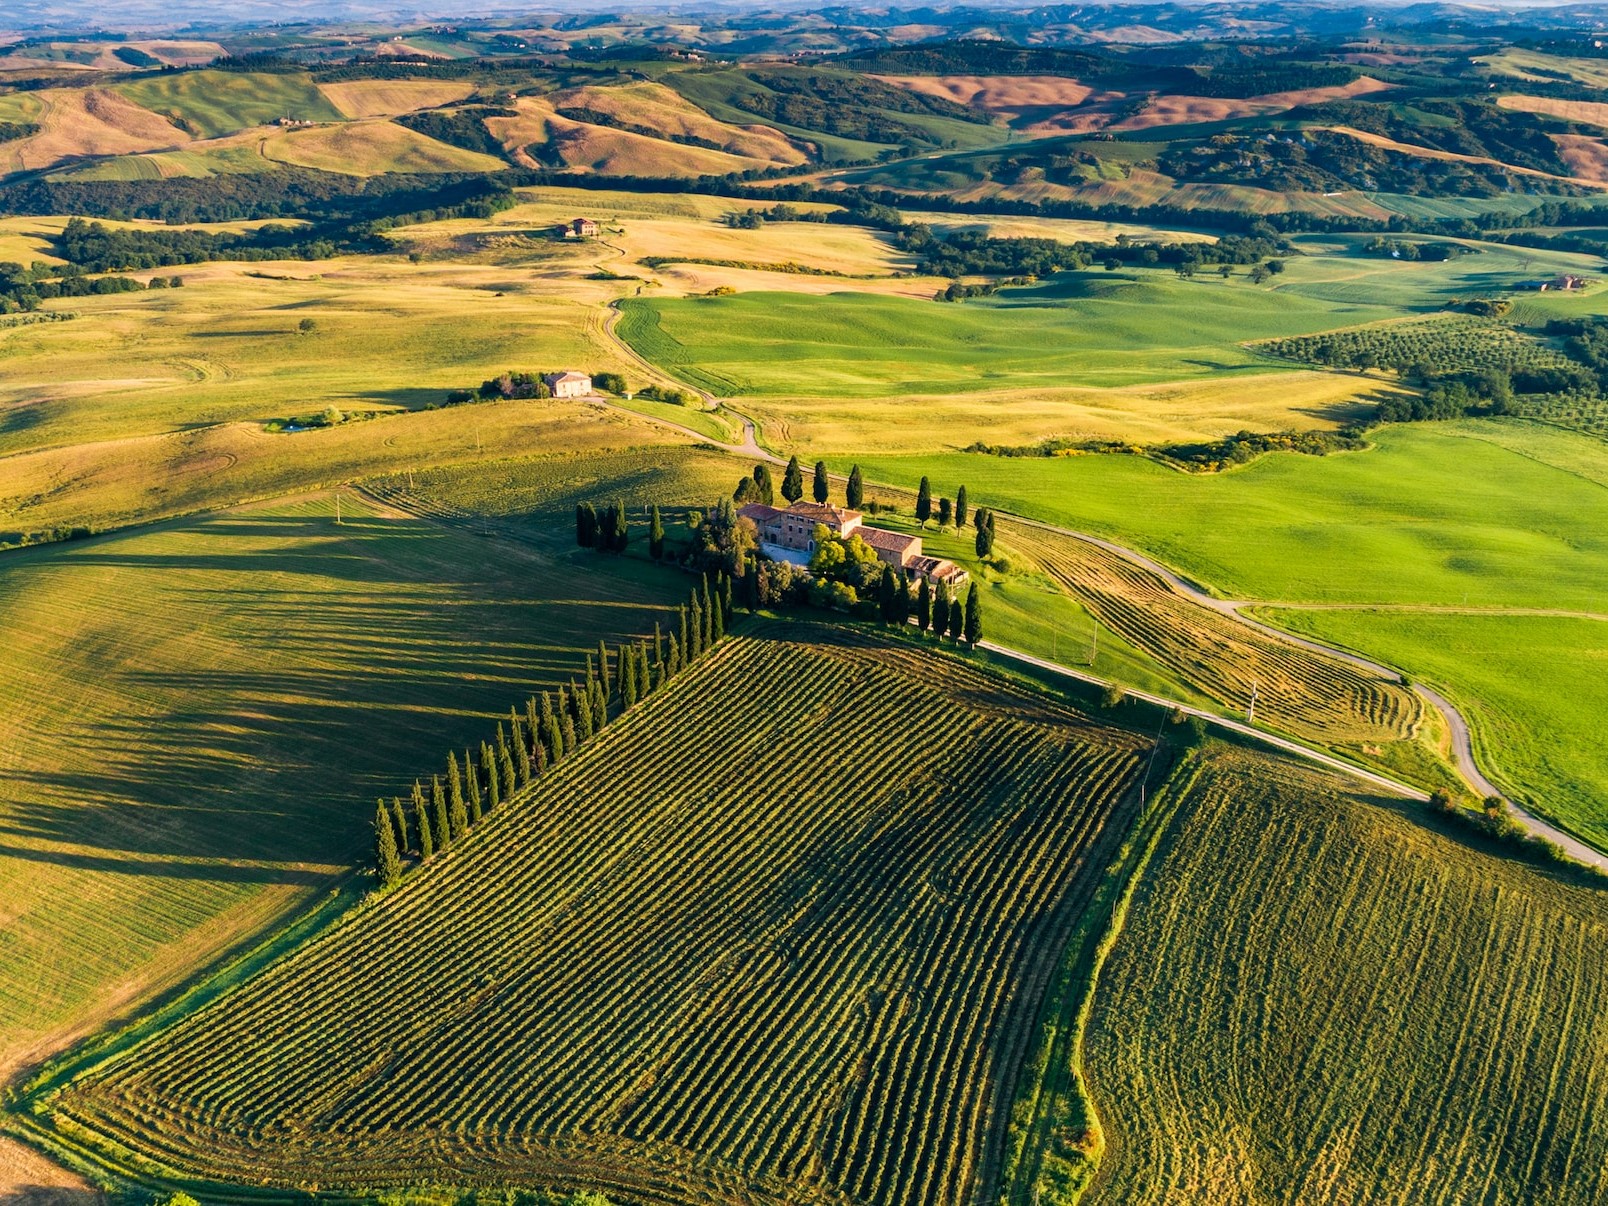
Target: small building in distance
{"x": 580, "y": 228}
{"x": 1566, "y": 281}
{"x": 788, "y": 534}
{"x": 570, "y": 384}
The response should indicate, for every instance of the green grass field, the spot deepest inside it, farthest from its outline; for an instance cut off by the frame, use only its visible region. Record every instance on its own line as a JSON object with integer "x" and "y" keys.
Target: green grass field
{"x": 1316, "y": 998}
{"x": 1086, "y": 328}
{"x": 1397, "y": 524}
{"x": 810, "y": 966}
{"x": 211, "y": 104}
{"x": 1534, "y": 688}
{"x": 200, "y": 714}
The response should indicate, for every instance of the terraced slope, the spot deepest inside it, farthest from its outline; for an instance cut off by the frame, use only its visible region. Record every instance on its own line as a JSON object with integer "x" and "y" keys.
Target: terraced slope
{"x": 778, "y": 935}
{"x": 1316, "y": 999}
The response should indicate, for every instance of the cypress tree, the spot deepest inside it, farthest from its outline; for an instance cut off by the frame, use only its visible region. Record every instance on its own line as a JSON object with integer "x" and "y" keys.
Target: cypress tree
{"x": 518, "y": 748}
{"x": 457, "y": 814}
{"x": 582, "y": 708}
{"x": 924, "y": 606}
{"x": 655, "y": 534}
{"x": 549, "y": 730}
{"x": 600, "y": 707}
{"x": 672, "y": 665}
{"x": 944, "y": 513}
{"x": 823, "y": 489}
{"x": 455, "y": 796}
{"x": 421, "y": 817}
{"x": 400, "y": 820}
{"x": 924, "y": 501}
{"x": 901, "y": 613}
{"x": 960, "y": 507}
{"x": 985, "y": 532}
{"x": 885, "y": 589}
{"x": 854, "y": 495}
{"x": 644, "y": 682}
{"x": 566, "y": 727}
{"x": 628, "y": 684}
{"x": 655, "y": 678}
{"x": 621, "y": 534}
{"x": 695, "y": 627}
{"x": 387, "y": 861}
{"x": 488, "y": 763}
{"x": 751, "y": 588}
{"x": 717, "y": 621}
{"x": 686, "y": 638}
{"x": 957, "y": 617}
{"x": 472, "y": 783}
{"x": 765, "y": 484}
{"x": 940, "y": 611}
{"x": 583, "y": 533}
{"x": 505, "y": 764}
{"x": 658, "y": 643}
{"x": 974, "y": 617}
{"x": 793, "y": 481}
{"x": 603, "y": 675}
{"x": 438, "y": 809}
{"x": 538, "y": 758}
{"x": 726, "y": 611}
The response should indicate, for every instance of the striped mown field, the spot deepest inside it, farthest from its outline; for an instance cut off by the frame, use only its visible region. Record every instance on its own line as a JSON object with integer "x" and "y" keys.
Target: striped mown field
{"x": 779, "y": 934}
{"x": 1316, "y": 998}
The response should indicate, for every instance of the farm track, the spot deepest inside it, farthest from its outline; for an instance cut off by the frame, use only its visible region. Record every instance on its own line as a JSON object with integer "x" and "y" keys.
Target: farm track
{"x": 1462, "y": 745}
{"x": 723, "y": 1039}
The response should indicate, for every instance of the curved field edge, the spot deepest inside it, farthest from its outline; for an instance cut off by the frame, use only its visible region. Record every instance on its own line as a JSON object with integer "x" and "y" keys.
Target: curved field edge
{"x": 1317, "y": 995}
{"x": 1055, "y": 1141}
{"x": 1097, "y": 764}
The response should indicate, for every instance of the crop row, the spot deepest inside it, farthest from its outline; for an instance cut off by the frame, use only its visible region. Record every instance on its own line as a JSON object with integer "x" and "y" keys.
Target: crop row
{"x": 1299, "y": 691}
{"x": 782, "y": 929}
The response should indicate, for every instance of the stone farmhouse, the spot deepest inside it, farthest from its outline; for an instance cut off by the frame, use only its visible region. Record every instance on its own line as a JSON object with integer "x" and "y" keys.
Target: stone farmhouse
{"x": 569, "y": 384}
{"x": 788, "y": 534}
{"x": 580, "y": 228}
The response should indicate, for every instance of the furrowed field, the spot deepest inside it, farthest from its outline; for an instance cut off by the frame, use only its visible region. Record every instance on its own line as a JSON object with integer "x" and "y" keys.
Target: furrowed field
{"x": 780, "y": 933}
{"x": 200, "y": 714}
{"x": 1356, "y": 1009}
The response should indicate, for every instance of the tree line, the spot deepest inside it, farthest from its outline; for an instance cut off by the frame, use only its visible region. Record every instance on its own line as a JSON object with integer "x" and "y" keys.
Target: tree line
{"x": 552, "y": 727}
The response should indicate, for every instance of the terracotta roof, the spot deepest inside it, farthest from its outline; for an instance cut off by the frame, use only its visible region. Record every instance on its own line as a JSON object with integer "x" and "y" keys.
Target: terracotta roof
{"x": 758, "y": 512}
{"x": 567, "y": 375}
{"x": 936, "y": 567}
{"x": 881, "y": 538}
{"x": 822, "y": 513}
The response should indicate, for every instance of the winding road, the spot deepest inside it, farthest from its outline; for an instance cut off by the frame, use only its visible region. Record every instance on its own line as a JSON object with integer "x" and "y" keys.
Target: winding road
{"x": 1462, "y": 744}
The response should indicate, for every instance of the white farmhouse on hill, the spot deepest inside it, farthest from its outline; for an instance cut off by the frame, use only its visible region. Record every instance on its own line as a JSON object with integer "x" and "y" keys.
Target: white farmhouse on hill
{"x": 569, "y": 384}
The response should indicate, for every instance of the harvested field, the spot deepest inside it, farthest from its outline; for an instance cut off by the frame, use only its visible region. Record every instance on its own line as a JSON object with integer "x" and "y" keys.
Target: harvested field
{"x": 1587, "y": 157}
{"x": 391, "y": 98}
{"x": 1357, "y": 1008}
{"x": 814, "y": 952}
{"x": 1590, "y": 113}
{"x": 655, "y": 107}
{"x": 1300, "y": 692}
{"x": 81, "y": 122}
{"x": 1182, "y": 110}
{"x": 371, "y": 148}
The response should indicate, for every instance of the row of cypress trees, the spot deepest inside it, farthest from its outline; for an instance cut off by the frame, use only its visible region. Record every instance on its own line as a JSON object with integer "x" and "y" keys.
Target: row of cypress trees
{"x": 941, "y": 612}
{"x": 552, "y": 727}
{"x": 610, "y": 529}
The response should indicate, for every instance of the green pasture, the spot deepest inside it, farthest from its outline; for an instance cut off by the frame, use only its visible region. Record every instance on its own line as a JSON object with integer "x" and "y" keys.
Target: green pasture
{"x": 1534, "y": 688}
{"x": 199, "y": 716}
{"x": 1481, "y": 512}
{"x": 211, "y": 104}
{"x": 1090, "y": 328}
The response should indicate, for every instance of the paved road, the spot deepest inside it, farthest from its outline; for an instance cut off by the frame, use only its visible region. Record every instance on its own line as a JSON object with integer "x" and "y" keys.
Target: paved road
{"x": 1457, "y": 726}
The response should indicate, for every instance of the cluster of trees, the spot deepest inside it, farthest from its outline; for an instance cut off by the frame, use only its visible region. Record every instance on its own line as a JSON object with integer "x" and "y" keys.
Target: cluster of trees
{"x": 848, "y": 106}
{"x": 610, "y": 531}
{"x": 947, "y": 512}
{"x": 944, "y": 613}
{"x": 464, "y": 127}
{"x": 1495, "y": 821}
{"x": 552, "y": 727}
{"x": 22, "y": 289}
{"x": 10, "y": 131}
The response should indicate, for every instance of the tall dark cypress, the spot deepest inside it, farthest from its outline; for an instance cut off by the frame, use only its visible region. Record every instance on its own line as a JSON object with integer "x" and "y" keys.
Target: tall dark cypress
{"x": 717, "y": 619}
{"x": 957, "y": 618}
{"x": 973, "y": 629}
{"x": 924, "y": 606}
{"x": 886, "y": 587}
{"x": 655, "y": 534}
{"x": 644, "y": 681}
{"x": 940, "y": 611}
{"x": 628, "y": 680}
{"x": 426, "y": 826}
{"x": 923, "y": 502}
{"x": 604, "y": 675}
{"x": 518, "y": 748}
{"x": 455, "y": 796}
{"x": 488, "y": 762}
{"x": 901, "y": 614}
{"x": 695, "y": 625}
{"x": 566, "y": 726}
{"x": 621, "y": 534}
{"x": 945, "y": 513}
{"x": 725, "y": 601}
{"x": 793, "y": 481}
{"x": 387, "y": 859}
{"x": 600, "y": 706}
{"x": 854, "y": 494}
{"x": 505, "y": 764}
{"x": 549, "y": 730}
{"x": 672, "y": 661}
{"x": 438, "y": 809}
{"x": 686, "y": 637}
{"x": 585, "y": 525}
{"x": 822, "y": 487}
{"x": 960, "y": 507}
{"x": 457, "y": 814}
{"x": 404, "y": 843}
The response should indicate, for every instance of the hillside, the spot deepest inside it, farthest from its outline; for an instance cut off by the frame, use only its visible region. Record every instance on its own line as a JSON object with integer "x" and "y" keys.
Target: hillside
{"x": 819, "y": 884}
{"x": 1350, "y": 1000}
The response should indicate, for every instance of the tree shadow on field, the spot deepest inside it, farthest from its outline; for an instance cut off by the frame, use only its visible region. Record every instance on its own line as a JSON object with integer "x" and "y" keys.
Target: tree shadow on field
{"x": 322, "y": 674}
{"x": 397, "y": 399}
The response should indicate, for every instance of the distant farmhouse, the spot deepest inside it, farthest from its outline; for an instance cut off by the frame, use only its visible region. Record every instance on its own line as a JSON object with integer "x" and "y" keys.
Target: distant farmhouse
{"x": 580, "y": 228}
{"x": 1564, "y": 280}
{"x": 788, "y": 534}
{"x": 568, "y": 384}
